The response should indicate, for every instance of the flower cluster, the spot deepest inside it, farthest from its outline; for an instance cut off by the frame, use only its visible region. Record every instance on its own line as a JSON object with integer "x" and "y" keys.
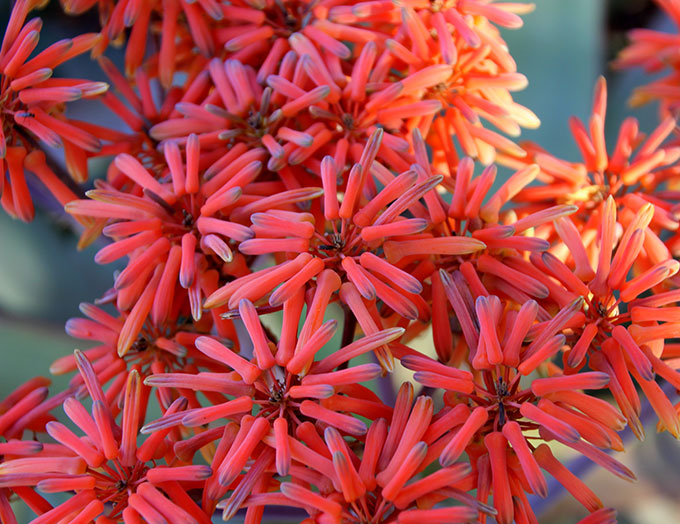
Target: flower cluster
{"x": 292, "y": 196}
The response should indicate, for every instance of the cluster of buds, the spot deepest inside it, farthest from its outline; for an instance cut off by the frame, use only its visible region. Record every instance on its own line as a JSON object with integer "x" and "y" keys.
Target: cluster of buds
{"x": 292, "y": 186}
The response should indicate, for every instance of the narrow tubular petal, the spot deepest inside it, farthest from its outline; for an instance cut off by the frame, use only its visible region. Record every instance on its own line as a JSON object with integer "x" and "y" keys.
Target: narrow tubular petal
{"x": 556, "y": 324}
{"x": 227, "y": 229}
{"x": 119, "y": 249}
{"x": 418, "y": 421}
{"x": 310, "y": 98}
{"x": 358, "y": 277}
{"x": 60, "y": 512}
{"x": 289, "y": 288}
{"x": 496, "y": 445}
{"x": 62, "y": 434}
{"x": 356, "y": 374}
{"x": 292, "y": 310}
{"x": 171, "y": 511}
{"x": 405, "y": 470}
{"x": 668, "y": 415}
{"x": 259, "y": 283}
{"x": 166, "y": 286}
{"x": 603, "y": 459}
{"x": 507, "y": 191}
{"x": 145, "y": 509}
{"x": 455, "y": 515}
{"x": 624, "y": 258}
{"x": 396, "y": 250}
{"x": 562, "y": 273}
{"x": 352, "y": 192}
{"x": 434, "y": 380}
{"x": 571, "y": 483}
{"x": 396, "y": 187}
{"x": 392, "y": 298}
{"x": 283, "y": 458}
{"x": 136, "y": 172}
{"x": 454, "y": 449}
{"x": 187, "y": 271}
{"x": 304, "y": 354}
{"x": 489, "y": 264}
{"x": 487, "y": 328}
{"x": 513, "y": 432}
{"x": 635, "y": 354}
{"x": 202, "y": 381}
{"x": 587, "y": 380}
{"x": 595, "y": 408}
{"x": 410, "y": 226}
{"x": 142, "y": 262}
{"x": 159, "y": 475}
{"x": 445, "y": 477}
{"x": 407, "y": 199}
{"x": 212, "y": 348}
{"x": 263, "y": 353}
{"x": 589, "y": 430}
{"x": 401, "y": 278}
{"x": 650, "y": 278}
{"x": 343, "y": 422}
{"x": 553, "y": 424}
{"x": 235, "y": 462}
{"x": 77, "y": 482}
{"x": 330, "y": 183}
{"x": 523, "y": 322}
{"x": 201, "y": 416}
{"x": 358, "y": 347}
{"x": 311, "y": 499}
{"x": 23, "y": 406}
{"x": 102, "y": 417}
{"x": 443, "y": 423}
{"x": 541, "y": 354}
{"x": 129, "y": 425}
{"x": 326, "y": 284}
{"x": 606, "y": 245}
{"x": 601, "y": 516}
{"x": 284, "y": 224}
{"x": 138, "y": 315}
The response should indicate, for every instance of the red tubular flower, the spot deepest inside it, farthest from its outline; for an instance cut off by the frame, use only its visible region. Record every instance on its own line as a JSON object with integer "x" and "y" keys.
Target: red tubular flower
{"x": 138, "y": 109}
{"x": 481, "y": 224}
{"x": 336, "y": 72}
{"x": 481, "y": 74}
{"x": 498, "y": 264}
{"x": 346, "y": 237}
{"x": 33, "y": 106}
{"x": 173, "y": 232}
{"x": 622, "y": 328}
{"x": 106, "y": 471}
{"x": 156, "y": 348}
{"x": 448, "y": 56}
{"x": 20, "y": 403}
{"x": 505, "y": 345}
{"x": 296, "y": 119}
{"x": 290, "y": 388}
{"x": 634, "y": 173}
{"x": 23, "y": 409}
{"x": 384, "y": 483}
{"x": 655, "y": 52}
{"x": 239, "y": 110}
{"x": 184, "y": 25}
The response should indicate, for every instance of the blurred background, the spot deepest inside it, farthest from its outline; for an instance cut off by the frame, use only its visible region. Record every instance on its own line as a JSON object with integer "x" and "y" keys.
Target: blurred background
{"x": 562, "y": 48}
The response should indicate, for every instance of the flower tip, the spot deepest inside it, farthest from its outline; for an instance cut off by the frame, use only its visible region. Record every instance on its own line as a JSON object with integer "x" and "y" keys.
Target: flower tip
{"x": 576, "y": 304}
{"x": 70, "y": 207}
